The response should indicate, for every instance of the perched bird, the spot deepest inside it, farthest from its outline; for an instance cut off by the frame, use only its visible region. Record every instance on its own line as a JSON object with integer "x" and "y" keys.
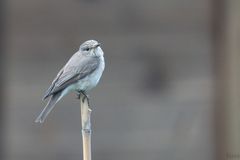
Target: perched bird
{"x": 81, "y": 73}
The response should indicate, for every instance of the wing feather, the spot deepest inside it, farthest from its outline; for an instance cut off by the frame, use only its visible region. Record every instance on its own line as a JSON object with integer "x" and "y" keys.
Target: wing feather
{"x": 76, "y": 69}
{"x": 47, "y": 93}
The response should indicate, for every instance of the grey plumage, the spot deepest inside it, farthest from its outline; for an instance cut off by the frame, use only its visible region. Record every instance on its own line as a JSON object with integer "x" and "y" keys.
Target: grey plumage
{"x": 76, "y": 69}
{"x": 47, "y": 109}
{"x": 81, "y": 73}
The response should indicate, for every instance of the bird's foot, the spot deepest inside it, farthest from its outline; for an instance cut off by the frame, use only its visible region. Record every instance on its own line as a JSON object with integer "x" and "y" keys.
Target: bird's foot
{"x": 85, "y": 96}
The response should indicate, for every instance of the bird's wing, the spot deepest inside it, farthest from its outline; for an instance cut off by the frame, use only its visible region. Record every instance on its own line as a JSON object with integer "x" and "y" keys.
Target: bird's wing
{"x": 77, "y": 68}
{"x": 47, "y": 93}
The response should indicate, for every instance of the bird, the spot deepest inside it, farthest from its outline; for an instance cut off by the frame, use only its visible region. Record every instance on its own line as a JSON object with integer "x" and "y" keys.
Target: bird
{"x": 80, "y": 74}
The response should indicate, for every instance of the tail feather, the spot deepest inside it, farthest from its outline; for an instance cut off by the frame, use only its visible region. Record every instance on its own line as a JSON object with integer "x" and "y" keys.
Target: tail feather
{"x": 50, "y": 105}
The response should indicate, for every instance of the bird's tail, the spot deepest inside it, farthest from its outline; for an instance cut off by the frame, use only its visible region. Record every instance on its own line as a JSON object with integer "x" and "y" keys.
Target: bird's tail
{"x": 50, "y": 105}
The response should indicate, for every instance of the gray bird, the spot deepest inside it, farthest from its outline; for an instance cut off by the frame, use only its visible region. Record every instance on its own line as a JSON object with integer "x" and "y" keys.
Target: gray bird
{"x": 81, "y": 73}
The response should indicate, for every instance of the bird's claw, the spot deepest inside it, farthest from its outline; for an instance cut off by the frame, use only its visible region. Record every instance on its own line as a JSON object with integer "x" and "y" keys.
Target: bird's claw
{"x": 84, "y": 98}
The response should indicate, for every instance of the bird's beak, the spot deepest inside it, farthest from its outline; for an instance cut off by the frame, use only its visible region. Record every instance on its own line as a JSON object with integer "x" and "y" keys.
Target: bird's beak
{"x": 97, "y": 45}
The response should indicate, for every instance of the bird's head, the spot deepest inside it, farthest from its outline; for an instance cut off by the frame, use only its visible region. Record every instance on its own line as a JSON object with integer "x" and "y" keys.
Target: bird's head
{"x": 91, "y": 48}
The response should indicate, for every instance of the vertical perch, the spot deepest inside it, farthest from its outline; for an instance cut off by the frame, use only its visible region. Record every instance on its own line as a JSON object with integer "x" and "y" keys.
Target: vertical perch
{"x": 86, "y": 127}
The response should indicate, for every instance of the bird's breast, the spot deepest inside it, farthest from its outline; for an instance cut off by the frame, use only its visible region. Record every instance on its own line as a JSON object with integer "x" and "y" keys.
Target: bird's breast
{"x": 90, "y": 81}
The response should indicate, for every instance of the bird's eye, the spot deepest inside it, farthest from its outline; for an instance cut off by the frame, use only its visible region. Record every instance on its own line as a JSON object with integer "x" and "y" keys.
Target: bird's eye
{"x": 86, "y": 49}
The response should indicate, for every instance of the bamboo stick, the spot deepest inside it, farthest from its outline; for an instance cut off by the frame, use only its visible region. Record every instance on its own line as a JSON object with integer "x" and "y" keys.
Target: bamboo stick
{"x": 86, "y": 127}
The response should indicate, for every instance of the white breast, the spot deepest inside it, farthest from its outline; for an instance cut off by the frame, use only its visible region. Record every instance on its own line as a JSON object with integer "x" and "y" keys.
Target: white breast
{"x": 94, "y": 78}
{"x": 91, "y": 80}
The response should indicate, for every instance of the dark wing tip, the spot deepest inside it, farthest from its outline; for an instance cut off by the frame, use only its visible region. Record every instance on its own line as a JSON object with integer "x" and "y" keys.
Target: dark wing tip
{"x": 45, "y": 97}
{"x": 48, "y": 92}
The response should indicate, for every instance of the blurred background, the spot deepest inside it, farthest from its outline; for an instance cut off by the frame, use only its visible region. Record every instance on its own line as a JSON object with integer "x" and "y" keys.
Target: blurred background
{"x": 169, "y": 91}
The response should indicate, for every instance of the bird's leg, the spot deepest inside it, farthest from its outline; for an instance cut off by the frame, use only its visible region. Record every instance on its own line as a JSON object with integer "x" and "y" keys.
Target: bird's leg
{"x": 85, "y": 96}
